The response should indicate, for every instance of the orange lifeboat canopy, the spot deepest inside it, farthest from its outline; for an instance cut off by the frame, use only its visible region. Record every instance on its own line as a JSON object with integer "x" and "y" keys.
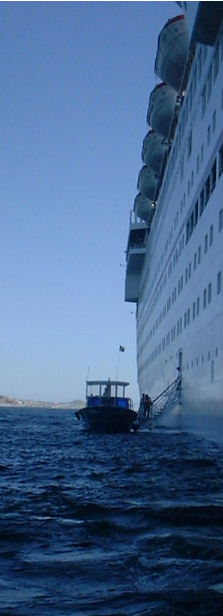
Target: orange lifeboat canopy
{"x": 172, "y": 52}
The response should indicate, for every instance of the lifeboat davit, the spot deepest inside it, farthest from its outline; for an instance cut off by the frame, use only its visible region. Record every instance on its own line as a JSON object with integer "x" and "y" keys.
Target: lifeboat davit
{"x": 143, "y": 207}
{"x": 147, "y": 182}
{"x": 173, "y": 47}
{"x": 160, "y": 113}
{"x": 153, "y": 151}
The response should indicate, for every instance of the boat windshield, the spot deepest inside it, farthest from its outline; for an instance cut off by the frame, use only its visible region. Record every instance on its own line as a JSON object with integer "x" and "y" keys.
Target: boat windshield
{"x": 106, "y": 389}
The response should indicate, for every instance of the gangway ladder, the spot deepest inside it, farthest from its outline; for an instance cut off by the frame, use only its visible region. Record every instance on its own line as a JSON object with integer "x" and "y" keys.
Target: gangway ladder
{"x": 167, "y": 398}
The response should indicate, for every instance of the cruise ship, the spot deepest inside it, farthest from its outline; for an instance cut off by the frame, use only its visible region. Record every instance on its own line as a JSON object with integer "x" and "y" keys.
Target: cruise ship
{"x": 174, "y": 257}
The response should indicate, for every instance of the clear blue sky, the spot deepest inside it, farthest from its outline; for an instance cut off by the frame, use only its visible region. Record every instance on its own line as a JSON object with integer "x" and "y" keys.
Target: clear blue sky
{"x": 75, "y": 83}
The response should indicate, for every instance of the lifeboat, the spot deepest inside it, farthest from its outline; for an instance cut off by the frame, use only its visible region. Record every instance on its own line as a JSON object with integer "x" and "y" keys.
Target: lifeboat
{"x": 153, "y": 151}
{"x": 143, "y": 207}
{"x": 162, "y": 103}
{"x": 173, "y": 47}
{"x": 147, "y": 182}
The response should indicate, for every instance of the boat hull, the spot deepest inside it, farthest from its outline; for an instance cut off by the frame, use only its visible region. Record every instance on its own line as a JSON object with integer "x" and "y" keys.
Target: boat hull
{"x": 107, "y": 420}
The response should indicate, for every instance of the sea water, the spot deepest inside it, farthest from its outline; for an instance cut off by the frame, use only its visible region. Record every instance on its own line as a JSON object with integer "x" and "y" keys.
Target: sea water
{"x": 107, "y": 525}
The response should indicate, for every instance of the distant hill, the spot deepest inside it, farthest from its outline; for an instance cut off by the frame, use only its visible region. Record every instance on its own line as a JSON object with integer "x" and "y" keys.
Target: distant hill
{"x": 17, "y": 402}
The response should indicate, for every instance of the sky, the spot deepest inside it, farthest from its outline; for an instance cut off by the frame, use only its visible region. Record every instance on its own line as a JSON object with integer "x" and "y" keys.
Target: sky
{"x": 75, "y": 85}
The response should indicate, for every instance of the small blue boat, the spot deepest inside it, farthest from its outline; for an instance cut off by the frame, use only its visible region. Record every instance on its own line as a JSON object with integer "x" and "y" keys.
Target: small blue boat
{"x": 107, "y": 409}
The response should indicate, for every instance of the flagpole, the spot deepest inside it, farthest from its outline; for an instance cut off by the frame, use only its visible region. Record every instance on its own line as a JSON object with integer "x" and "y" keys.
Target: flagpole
{"x": 121, "y": 350}
{"x": 118, "y": 360}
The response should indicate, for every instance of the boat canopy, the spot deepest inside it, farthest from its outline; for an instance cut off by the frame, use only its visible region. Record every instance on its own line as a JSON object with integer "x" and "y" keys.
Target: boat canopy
{"x": 107, "y": 386}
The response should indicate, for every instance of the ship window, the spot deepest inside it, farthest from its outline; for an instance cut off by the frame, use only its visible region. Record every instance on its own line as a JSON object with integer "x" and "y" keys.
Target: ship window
{"x": 208, "y": 134}
{"x": 189, "y": 270}
{"x": 195, "y": 79}
{"x": 195, "y": 260}
{"x": 212, "y": 370}
{"x": 214, "y": 121}
{"x": 209, "y": 292}
{"x": 202, "y": 153}
{"x": 194, "y": 310}
{"x": 203, "y": 101}
{"x": 198, "y": 163}
{"x": 220, "y": 220}
{"x": 211, "y": 235}
{"x": 180, "y": 324}
{"x": 206, "y": 243}
{"x": 188, "y": 231}
{"x": 185, "y": 319}
{"x": 189, "y": 144}
{"x": 216, "y": 62}
{"x": 209, "y": 83}
{"x": 207, "y": 189}
{"x": 199, "y": 254}
{"x": 186, "y": 275}
{"x": 191, "y": 222}
{"x": 219, "y": 283}
{"x": 196, "y": 213}
{"x": 220, "y": 161}
{"x": 204, "y": 298}
{"x": 188, "y": 316}
{"x": 201, "y": 202}
{"x": 213, "y": 175}
{"x": 199, "y": 61}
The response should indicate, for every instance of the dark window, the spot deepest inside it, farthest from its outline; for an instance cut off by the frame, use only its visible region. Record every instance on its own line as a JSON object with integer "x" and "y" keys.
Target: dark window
{"x": 216, "y": 62}
{"x": 201, "y": 202}
{"x": 196, "y": 213}
{"x": 189, "y": 144}
{"x": 213, "y": 176}
{"x": 221, "y": 155}
{"x": 208, "y": 134}
{"x": 219, "y": 283}
{"x": 220, "y": 220}
{"x": 207, "y": 189}
{"x": 209, "y": 292}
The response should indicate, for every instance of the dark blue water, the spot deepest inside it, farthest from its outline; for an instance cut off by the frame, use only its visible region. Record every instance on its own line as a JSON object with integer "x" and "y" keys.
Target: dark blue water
{"x": 115, "y": 525}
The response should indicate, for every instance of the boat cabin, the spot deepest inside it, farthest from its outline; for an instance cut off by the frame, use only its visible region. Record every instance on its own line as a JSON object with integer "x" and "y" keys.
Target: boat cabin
{"x": 109, "y": 393}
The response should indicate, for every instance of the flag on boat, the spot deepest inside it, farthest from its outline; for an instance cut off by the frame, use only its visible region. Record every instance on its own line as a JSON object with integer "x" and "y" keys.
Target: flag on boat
{"x": 121, "y": 348}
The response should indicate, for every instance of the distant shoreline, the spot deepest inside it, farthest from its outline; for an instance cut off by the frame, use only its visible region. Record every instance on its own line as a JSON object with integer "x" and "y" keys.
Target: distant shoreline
{"x": 7, "y": 401}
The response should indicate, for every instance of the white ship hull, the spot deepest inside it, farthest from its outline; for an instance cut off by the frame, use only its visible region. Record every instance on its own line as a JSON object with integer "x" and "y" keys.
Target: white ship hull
{"x": 178, "y": 284}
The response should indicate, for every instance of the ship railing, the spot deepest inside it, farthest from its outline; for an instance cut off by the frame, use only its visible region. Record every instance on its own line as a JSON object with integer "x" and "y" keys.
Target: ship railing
{"x": 167, "y": 398}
